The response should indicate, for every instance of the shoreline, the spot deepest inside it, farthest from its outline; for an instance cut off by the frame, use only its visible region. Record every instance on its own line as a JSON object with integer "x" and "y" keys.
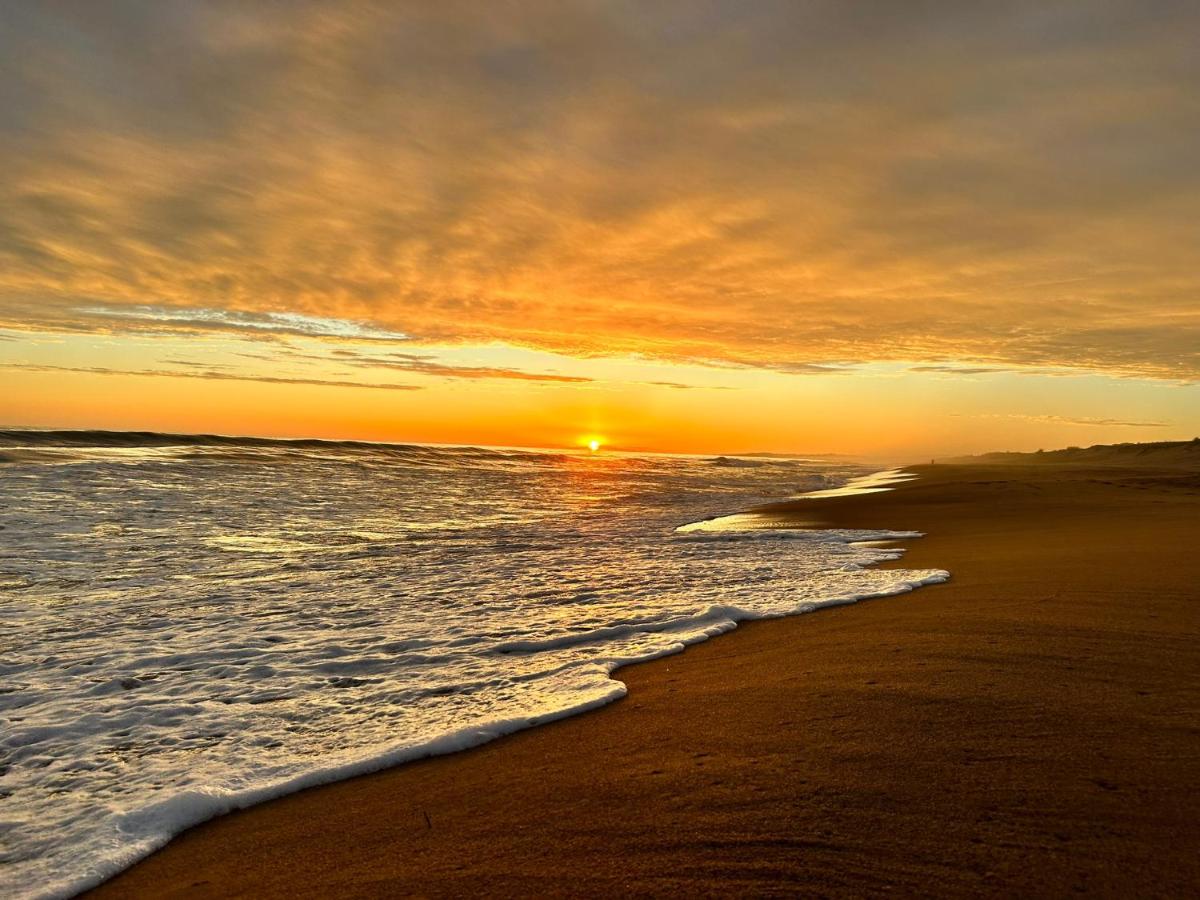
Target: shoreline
{"x": 693, "y": 781}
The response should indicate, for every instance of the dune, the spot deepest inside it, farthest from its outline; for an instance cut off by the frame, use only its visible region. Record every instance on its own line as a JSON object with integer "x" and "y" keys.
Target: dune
{"x": 1173, "y": 454}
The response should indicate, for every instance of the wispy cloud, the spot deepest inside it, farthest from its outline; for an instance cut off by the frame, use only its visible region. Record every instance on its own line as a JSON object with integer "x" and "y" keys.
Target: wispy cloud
{"x": 425, "y": 365}
{"x": 1092, "y": 422}
{"x": 1085, "y": 421}
{"x": 162, "y": 319}
{"x": 680, "y": 386}
{"x": 211, "y": 375}
{"x": 959, "y": 370}
{"x": 774, "y": 184}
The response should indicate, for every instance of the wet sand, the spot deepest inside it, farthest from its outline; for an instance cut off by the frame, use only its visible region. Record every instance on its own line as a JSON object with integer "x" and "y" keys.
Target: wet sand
{"x": 1030, "y": 727}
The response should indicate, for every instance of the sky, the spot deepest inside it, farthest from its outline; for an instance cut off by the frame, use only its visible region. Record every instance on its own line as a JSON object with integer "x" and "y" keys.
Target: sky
{"x": 881, "y": 228}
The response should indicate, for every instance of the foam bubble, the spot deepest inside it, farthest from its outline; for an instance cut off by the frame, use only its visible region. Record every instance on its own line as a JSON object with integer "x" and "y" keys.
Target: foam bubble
{"x": 206, "y": 627}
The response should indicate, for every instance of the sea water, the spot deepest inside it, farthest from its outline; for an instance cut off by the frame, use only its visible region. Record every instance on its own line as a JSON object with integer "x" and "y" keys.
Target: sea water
{"x": 192, "y": 627}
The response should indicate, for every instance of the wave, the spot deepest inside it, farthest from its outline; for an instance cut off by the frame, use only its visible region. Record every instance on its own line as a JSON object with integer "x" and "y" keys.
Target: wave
{"x": 33, "y": 446}
{"x": 100, "y": 438}
{"x": 224, "y": 634}
{"x": 142, "y": 831}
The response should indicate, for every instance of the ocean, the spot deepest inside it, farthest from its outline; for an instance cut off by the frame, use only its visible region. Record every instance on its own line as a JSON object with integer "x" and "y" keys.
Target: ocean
{"x": 192, "y": 625}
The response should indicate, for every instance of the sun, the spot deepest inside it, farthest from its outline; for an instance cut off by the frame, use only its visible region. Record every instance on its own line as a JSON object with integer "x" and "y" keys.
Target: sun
{"x": 592, "y": 441}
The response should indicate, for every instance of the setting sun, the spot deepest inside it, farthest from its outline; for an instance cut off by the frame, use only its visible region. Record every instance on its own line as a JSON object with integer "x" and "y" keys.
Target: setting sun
{"x": 593, "y": 445}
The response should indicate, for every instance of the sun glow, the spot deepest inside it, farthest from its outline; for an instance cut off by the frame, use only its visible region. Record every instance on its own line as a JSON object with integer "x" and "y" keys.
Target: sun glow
{"x": 593, "y": 444}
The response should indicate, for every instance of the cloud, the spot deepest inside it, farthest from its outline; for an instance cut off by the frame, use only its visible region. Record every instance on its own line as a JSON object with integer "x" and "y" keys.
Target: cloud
{"x": 958, "y": 370}
{"x": 1086, "y": 421}
{"x": 402, "y": 362}
{"x": 277, "y": 323}
{"x": 771, "y": 184}
{"x": 424, "y": 365}
{"x": 680, "y": 386}
{"x": 211, "y": 375}
{"x": 1090, "y": 421}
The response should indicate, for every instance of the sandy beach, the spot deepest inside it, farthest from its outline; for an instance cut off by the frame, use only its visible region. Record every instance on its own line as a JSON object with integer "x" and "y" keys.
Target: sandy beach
{"x": 1030, "y": 727}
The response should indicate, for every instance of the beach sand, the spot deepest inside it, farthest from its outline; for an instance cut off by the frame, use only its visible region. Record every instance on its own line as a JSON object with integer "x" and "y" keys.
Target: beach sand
{"x": 1030, "y": 727}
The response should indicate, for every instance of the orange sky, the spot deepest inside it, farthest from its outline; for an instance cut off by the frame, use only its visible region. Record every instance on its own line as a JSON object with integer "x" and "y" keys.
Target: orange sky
{"x": 816, "y": 227}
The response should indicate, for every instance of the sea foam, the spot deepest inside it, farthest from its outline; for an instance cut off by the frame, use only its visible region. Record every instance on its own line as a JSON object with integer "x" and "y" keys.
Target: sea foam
{"x": 190, "y": 628}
